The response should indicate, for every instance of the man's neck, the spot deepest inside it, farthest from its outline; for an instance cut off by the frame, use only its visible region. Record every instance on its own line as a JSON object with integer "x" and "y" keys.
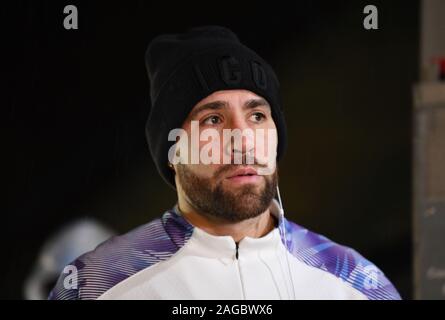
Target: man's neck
{"x": 254, "y": 227}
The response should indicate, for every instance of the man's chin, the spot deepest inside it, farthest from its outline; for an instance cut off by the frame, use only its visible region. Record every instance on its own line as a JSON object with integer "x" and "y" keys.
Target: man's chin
{"x": 228, "y": 199}
{"x": 246, "y": 195}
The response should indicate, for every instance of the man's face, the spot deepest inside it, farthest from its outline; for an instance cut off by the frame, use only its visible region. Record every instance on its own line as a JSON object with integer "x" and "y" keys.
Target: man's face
{"x": 231, "y": 192}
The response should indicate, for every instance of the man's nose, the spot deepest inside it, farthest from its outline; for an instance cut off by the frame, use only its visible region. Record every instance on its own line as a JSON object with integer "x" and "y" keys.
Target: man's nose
{"x": 242, "y": 142}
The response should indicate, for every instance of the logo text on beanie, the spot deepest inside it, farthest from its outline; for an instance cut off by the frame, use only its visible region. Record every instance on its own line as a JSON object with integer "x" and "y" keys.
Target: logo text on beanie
{"x": 231, "y": 73}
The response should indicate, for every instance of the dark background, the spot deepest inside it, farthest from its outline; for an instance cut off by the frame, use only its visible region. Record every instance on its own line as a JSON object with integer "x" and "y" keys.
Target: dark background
{"x": 75, "y": 103}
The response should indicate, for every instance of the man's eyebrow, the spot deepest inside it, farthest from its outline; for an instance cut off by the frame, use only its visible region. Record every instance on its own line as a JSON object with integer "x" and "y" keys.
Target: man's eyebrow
{"x": 218, "y": 105}
{"x": 253, "y": 103}
{"x": 215, "y": 105}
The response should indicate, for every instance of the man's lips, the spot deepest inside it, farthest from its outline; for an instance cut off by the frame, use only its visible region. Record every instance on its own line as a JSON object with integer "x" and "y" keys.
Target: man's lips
{"x": 243, "y": 172}
{"x": 244, "y": 175}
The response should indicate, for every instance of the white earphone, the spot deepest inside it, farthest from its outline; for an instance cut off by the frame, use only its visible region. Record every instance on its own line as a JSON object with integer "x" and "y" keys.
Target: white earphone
{"x": 285, "y": 240}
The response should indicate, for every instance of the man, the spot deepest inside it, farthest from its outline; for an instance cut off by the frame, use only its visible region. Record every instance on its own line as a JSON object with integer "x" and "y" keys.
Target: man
{"x": 227, "y": 237}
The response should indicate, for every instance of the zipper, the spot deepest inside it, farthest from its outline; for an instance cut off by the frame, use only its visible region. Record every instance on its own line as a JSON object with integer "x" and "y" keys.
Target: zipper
{"x": 236, "y": 252}
{"x": 239, "y": 271}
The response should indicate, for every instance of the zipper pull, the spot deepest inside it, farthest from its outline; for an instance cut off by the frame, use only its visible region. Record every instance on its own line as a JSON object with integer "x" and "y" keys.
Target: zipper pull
{"x": 236, "y": 253}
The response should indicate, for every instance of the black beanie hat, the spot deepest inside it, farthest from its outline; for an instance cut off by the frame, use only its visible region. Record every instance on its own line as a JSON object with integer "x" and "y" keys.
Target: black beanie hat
{"x": 185, "y": 68}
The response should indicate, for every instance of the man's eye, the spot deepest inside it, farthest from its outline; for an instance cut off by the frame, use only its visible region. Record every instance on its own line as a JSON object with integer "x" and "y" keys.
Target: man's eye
{"x": 258, "y": 117}
{"x": 212, "y": 120}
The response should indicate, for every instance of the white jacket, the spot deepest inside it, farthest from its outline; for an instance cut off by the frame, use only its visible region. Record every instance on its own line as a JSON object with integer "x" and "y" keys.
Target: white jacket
{"x": 169, "y": 258}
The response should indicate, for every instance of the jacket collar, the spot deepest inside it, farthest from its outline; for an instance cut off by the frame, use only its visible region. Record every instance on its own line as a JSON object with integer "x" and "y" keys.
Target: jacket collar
{"x": 208, "y": 245}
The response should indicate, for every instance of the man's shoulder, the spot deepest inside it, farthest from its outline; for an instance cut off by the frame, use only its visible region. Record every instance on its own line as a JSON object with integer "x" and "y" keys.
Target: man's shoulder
{"x": 341, "y": 261}
{"x": 120, "y": 257}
